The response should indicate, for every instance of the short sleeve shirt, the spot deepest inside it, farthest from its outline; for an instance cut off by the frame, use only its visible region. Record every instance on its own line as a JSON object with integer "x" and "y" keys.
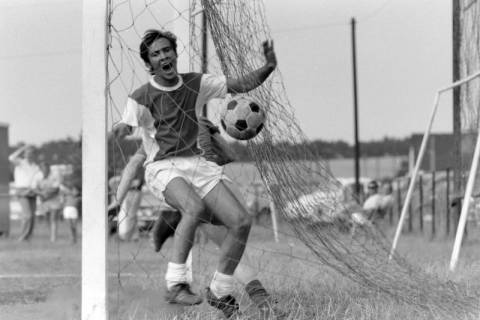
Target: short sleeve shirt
{"x": 168, "y": 115}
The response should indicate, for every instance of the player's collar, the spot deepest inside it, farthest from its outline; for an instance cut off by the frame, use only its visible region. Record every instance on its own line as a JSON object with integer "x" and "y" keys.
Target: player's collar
{"x": 163, "y": 88}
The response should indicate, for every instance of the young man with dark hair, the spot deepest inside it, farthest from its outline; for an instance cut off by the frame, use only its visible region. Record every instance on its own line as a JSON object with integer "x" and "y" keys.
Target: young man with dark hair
{"x": 167, "y": 108}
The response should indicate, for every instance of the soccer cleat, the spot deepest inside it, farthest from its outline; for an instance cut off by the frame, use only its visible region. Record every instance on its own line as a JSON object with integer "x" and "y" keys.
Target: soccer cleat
{"x": 264, "y": 302}
{"x": 182, "y": 294}
{"x": 227, "y": 304}
{"x": 164, "y": 228}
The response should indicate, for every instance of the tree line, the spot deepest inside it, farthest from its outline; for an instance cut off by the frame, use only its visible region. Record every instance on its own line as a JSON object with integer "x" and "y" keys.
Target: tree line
{"x": 69, "y": 151}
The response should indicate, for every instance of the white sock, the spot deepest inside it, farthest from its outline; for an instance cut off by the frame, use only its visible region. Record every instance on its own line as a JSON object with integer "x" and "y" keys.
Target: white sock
{"x": 176, "y": 273}
{"x": 222, "y": 284}
{"x": 189, "y": 265}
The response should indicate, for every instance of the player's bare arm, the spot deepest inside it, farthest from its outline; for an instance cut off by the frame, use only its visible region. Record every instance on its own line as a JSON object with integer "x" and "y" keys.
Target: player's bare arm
{"x": 128, "y": 175}
{"x": 255, "y": 78}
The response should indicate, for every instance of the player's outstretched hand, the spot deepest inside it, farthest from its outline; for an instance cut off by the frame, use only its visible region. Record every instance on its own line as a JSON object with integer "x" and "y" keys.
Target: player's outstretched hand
{"x": 269, "y": 53}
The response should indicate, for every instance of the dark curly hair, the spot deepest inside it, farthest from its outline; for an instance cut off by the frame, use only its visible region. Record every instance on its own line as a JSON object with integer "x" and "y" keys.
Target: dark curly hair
{"x": 150, "y": 36}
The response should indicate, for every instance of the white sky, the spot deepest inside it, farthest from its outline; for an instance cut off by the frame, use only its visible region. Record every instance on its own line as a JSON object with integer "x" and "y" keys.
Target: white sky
{"x": 403, "y": 57}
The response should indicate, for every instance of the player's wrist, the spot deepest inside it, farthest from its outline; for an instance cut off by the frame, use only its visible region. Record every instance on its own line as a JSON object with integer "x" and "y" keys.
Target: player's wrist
{"x": 270, "y": 66}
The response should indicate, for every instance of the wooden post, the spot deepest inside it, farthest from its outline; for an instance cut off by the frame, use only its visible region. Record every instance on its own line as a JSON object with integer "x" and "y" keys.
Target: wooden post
{"x": 355, "y": 110}
{"x": 433, "y": 204}
{"x": 456, "y": 103}
{"x": 390, "y": 215}
{"x": 447, "y": 196}
{"x": 273, "y": 215}
{"x": 94, "y": 161}
{"x": 410, "y": 215}
{"x": 4, "y": 182}
{"x": 420, "y": 200}
{"x": 399, "y": 198}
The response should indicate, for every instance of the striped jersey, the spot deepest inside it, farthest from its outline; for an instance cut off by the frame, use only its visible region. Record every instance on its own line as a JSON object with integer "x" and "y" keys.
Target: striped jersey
{"x": 168, "y": 115}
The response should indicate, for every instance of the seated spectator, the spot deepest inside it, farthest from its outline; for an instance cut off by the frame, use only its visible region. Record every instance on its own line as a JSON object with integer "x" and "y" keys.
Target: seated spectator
{"x": 376, "y": 205}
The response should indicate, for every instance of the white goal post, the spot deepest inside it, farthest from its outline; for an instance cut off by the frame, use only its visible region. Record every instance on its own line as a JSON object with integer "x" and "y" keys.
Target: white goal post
{"x": 416, "y": 169}
{"x": 94, "y": 160}
{"x": 94, "y": 151}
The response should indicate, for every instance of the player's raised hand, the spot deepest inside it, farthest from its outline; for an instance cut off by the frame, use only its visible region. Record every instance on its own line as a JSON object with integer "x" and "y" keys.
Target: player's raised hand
{"x": 269, "y": 53}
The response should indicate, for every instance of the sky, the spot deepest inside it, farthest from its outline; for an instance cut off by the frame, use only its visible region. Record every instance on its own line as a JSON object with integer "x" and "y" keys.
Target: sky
{"x": 404, "y": 56}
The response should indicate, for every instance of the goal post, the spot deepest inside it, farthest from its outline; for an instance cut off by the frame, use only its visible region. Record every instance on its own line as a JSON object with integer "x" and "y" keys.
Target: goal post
{"x": 97, "y": 15}
{"x": 94, "y": 160}
{"x": 419, "y": 160}
{"x": 465, "y": 206}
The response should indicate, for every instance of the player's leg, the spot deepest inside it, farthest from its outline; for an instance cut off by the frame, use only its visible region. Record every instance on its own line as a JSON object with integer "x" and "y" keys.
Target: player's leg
{"x": 247, "y": 275}
{"x": 244, "y": 273}
{"x": 181, "y": 195}
{"x": 53, "y": 224}
{"x": 127, "y": 217}
{"x": 223, "y": 204}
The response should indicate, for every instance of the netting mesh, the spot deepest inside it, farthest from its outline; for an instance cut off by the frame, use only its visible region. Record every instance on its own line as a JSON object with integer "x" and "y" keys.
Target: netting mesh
{"x": 318, "y": 212}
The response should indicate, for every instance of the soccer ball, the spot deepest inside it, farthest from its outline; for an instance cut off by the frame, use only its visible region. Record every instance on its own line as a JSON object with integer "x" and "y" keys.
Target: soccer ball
{"x": 242, "y": 118}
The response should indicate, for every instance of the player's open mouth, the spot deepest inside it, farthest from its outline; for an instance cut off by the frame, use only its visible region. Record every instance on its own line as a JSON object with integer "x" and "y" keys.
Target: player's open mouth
{"x": 167, "y": 67}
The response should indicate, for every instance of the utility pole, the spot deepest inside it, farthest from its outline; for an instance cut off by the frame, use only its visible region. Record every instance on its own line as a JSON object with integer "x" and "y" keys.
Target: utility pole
{"x": 456, "y": 36}
{"x": 204, "y": 51}
{"x": 355, "y": 111}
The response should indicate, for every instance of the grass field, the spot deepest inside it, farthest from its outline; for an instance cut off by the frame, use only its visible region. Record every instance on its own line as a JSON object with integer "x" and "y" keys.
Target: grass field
{"x": 41, "y": 280}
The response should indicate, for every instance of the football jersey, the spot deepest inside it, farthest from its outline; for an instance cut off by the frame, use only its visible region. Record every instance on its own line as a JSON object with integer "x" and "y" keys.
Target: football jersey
{"x": 169, "y": 115}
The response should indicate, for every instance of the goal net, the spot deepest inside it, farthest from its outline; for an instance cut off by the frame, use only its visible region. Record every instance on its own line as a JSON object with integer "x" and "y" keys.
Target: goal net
{"x": 317, "y": 213}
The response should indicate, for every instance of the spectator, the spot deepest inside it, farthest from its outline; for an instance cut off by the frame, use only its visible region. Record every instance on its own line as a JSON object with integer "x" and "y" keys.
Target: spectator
{"x": 72, "y": 198}
{"x": 377, "y": 205}
{"x": 26, "y": 176}
{"x": 51, "y": 203}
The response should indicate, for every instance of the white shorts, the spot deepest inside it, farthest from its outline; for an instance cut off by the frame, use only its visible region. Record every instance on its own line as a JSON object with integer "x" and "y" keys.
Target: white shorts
{"x": 70, "y": 213}
{"x": 203, "y": 175}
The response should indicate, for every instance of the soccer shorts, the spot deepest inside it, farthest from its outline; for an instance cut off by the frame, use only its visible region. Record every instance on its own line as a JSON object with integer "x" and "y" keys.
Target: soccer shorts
{"x": 201, "y": 174}
{"x": 70, "y": 213}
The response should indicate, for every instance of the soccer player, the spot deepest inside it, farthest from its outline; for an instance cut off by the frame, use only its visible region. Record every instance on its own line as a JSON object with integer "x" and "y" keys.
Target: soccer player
{"x": 167, "y": 108}
{"x": 215, "y": 150}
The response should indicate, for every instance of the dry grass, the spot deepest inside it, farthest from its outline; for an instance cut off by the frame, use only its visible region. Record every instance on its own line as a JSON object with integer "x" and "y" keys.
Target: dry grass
{"x": 304, "y": 289}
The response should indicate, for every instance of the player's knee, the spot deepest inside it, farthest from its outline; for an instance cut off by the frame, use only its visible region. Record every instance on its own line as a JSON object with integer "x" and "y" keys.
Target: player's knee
{"x": 194, "y": 212}
{"x": 243, "y": 224}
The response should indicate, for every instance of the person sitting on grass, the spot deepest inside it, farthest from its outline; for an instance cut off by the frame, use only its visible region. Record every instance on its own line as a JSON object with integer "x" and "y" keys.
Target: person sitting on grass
{"x": 167, "y": 108}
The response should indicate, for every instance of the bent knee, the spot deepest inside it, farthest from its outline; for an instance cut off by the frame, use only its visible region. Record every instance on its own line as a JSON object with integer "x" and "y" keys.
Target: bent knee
{"x": 243, "y": 224}
{"x": 194, "y": 212}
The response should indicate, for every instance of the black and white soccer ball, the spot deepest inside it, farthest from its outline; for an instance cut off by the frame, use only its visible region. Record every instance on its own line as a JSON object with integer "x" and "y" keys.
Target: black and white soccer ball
{"x": 242, "y": 118}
